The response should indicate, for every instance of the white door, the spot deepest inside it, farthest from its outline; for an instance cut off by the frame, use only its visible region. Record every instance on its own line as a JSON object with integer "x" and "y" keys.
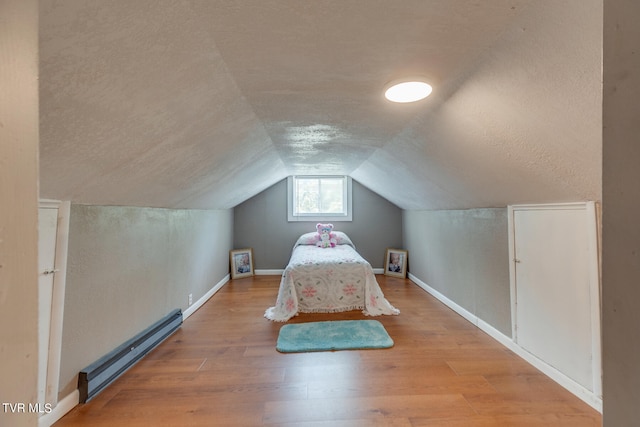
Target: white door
{"x": 47, "y": 232}
{"x": 556, "y": 299}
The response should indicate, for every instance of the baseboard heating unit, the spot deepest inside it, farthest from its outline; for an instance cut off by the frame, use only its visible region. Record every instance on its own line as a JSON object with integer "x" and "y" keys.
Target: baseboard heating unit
{"x": 95, "y": 377}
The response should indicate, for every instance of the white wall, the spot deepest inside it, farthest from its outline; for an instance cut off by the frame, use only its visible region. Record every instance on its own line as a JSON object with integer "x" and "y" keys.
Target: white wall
{"x": 621, "y": 204}
{"x": 128, "y": 267}
{"x": 18, "y": 207}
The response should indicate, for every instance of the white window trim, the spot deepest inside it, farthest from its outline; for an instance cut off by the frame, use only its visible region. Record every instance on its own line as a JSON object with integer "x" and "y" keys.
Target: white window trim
{"x": 319, "y": 218}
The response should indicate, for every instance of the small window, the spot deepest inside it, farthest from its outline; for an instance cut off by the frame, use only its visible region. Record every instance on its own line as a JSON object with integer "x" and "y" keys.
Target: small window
{"x": 319, "y": 198}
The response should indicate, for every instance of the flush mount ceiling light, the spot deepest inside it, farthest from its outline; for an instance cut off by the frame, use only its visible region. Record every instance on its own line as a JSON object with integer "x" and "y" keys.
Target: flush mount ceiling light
{"x": 407, "y": 91}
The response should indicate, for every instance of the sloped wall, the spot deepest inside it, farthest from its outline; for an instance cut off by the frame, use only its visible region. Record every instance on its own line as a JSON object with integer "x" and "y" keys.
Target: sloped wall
{"x": 261, "y": 223}
{"x": 128, "y": 267}
{"x": 464, "y": 255}
{"x": 522, "y": 124}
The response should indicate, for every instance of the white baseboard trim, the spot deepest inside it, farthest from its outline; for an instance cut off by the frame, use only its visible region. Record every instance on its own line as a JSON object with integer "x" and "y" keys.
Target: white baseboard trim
{"x": 60, "y": 410}
{"x": 578, "y": 390}
{"x": 269, "y": 272}
{"x": 378, "y": 270}
{"x": 195, "y": 306}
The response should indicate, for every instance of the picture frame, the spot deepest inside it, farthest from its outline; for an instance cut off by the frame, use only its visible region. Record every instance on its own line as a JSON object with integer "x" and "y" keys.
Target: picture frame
{"x": 241, "y": 262}
{"x": 395, "y": 263}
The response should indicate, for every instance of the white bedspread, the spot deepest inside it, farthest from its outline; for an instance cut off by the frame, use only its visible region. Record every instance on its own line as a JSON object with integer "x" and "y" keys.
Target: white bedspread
{"x": 325, "y": 280}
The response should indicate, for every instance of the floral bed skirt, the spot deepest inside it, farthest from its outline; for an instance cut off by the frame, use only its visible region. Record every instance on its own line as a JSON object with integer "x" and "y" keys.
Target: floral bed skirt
{"x": 326, "y": 280}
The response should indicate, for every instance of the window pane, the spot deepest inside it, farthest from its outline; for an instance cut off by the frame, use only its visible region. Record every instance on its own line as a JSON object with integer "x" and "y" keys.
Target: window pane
{"x": 319, "y": 196}
{"x": 308, "y": 196}
{"x": 331, "y": 195}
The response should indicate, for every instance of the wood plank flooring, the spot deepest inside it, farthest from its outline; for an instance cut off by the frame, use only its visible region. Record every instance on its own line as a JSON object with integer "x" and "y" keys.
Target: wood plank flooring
{"x": 222, "y": 369}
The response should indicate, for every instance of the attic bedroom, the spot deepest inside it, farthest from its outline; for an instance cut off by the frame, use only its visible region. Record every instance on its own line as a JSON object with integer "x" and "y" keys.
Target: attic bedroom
{"x": 168, "y": 130}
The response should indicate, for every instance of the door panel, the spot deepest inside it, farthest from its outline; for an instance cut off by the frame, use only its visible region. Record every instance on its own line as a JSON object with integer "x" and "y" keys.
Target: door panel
{"x": 47, "y": 231}
{"x": 553, "y": 296}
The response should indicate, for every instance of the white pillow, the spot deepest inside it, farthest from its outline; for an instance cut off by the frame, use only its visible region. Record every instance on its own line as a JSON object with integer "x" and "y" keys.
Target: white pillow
{"x": 312, "y": 238}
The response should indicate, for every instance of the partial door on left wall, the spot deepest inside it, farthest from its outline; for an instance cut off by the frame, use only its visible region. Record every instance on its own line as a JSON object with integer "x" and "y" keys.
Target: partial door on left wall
{"x": 52, "y": 238}
{"x": 47, "y": 230}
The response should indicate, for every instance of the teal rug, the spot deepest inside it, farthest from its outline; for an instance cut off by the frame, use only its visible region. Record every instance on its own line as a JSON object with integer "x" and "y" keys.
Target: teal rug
{"x": 334, "y": 335}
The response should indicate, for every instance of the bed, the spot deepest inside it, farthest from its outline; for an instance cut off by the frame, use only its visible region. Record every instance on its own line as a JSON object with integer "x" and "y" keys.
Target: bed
{"x": 328, "y": 280}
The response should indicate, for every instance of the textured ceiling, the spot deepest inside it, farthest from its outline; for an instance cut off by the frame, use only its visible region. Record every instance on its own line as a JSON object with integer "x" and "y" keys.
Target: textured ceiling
{"x": 203, "y": 104}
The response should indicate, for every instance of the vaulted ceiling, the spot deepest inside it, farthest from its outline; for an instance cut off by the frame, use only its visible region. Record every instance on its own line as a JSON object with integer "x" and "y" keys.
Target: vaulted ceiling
{"x": 205, "y": 103}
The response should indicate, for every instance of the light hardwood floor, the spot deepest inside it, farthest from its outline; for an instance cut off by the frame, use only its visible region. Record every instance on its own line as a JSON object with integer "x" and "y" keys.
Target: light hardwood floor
{"x": 221, "y": 368}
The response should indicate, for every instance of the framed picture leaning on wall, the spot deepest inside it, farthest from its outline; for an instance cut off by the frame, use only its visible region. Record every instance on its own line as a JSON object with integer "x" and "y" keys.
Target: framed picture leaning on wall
{"x": 241, "y": 263}
{"x": 395, "y": 263}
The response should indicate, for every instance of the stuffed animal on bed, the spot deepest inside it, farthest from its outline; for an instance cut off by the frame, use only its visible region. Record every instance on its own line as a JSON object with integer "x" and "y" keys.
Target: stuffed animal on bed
{"x": 326, "y": 239}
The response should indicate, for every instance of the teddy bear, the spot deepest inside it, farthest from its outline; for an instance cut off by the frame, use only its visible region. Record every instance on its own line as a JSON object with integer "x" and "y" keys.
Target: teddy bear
{"x": 326, "y": 239}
